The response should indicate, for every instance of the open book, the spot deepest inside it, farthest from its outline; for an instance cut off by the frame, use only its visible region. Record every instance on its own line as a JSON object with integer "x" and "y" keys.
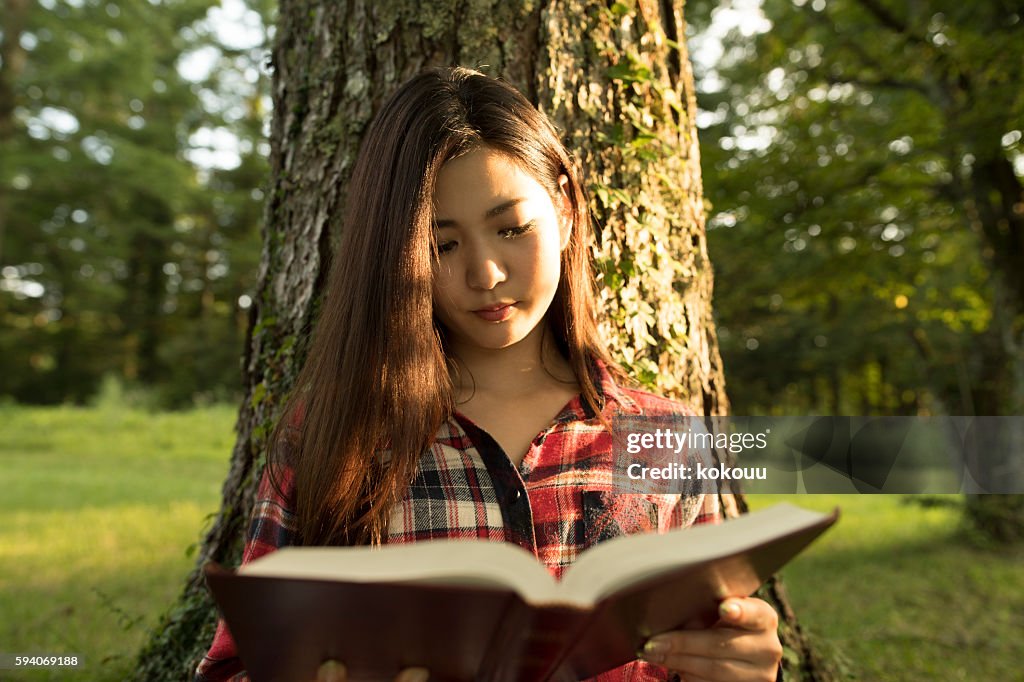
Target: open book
{"x": 478, "y": 610}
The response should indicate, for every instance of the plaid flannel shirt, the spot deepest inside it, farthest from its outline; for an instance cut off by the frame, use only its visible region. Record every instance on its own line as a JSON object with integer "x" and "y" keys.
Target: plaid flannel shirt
{"x": 556, "y": 504}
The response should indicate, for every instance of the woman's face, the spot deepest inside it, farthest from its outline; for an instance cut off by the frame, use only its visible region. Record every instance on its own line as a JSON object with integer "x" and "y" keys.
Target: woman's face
{"x": 500, "y": 238}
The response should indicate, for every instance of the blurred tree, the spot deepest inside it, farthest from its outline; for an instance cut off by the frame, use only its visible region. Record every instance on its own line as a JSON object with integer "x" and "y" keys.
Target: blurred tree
{"x": 864, "y": 161}
{"x": 613, "y": 77}
{"x": 216, "y": 254}
{"x": 103, "y": 210}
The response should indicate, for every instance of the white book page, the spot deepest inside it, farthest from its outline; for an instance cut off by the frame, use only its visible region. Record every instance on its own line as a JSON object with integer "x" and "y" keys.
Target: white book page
{"x": 620, "y": 562}
{"x": 469, "y": 563}
{"x": 599, "y": 572}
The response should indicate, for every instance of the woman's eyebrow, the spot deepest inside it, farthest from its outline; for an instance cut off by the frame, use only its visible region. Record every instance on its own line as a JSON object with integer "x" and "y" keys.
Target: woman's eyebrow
{"x": 497, "y": 210}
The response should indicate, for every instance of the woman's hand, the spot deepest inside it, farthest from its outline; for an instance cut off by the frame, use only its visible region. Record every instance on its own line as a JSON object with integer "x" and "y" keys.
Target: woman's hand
{"x": 742, "y": 646}
{"x": 333, "y": 671}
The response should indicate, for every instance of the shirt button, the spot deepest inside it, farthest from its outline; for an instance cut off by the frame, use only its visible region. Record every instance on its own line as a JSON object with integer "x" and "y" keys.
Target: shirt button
{"x": 517, "y": 495}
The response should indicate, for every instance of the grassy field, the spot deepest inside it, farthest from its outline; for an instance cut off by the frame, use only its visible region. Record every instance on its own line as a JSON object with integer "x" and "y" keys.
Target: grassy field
{"x": 100, "y": 505}
{"x": 897, "y": 592}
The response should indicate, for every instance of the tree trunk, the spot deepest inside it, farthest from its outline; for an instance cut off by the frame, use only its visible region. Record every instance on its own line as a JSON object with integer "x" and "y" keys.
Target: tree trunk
{"x": 995, "y": 197}
{"x": 12, "y": 62}
{"x": 616, "y": 81}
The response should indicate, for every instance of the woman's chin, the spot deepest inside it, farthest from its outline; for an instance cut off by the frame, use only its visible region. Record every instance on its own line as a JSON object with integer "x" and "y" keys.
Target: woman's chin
{"x": 500, "y": 336}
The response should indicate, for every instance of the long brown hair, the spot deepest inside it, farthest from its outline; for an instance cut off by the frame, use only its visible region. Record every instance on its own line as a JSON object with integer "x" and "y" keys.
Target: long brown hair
{"x": 376, "y": 375}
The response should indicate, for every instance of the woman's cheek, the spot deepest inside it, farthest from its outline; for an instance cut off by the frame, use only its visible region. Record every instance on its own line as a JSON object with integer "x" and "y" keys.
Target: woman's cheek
{"x": 442, "y": 298}
{"x": 548, "y": 269}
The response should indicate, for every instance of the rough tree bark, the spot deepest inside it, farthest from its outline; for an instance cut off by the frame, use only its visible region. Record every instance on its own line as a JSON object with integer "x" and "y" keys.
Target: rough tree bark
{"x": 615, "y": 78}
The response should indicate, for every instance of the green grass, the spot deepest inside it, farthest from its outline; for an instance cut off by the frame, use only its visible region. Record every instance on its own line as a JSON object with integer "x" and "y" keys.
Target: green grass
{"x": 898, "y": 592}
{"x": 100, "y": 505}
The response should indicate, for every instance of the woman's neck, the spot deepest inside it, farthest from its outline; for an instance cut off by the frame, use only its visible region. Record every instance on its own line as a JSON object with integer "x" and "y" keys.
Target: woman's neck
{"x": 511, "y": 372}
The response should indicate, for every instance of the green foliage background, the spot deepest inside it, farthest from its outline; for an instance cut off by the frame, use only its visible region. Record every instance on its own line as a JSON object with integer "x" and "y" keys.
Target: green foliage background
{"x": 843, "y": 150}
{"x": 125, "y": 253}
{"x": 846, "y": 152}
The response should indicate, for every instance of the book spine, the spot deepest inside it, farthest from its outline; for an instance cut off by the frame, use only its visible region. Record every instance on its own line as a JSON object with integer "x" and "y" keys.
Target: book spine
{"x": 530, "y": 643}
{"x": 507, "y": 642}
{"x": 571, "y": 633}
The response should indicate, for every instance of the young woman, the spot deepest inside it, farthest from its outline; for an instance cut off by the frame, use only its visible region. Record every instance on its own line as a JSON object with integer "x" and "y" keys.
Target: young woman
{"x": 456, "y": 385}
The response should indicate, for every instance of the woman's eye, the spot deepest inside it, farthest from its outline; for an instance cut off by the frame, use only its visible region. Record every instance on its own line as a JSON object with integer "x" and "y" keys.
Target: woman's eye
{"x": 446, "y": 247}
{"x": 513, "y": 232}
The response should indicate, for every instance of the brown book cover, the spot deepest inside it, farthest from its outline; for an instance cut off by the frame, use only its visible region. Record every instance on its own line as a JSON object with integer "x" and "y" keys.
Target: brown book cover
{"x": 477, "y": 610}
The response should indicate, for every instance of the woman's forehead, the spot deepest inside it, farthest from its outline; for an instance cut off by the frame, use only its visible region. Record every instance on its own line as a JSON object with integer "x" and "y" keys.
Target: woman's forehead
{"x": 483, "y": 176}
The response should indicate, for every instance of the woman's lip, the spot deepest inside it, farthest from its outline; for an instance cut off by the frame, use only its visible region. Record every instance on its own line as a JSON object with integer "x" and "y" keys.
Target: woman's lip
{"x": 496, "y": 313}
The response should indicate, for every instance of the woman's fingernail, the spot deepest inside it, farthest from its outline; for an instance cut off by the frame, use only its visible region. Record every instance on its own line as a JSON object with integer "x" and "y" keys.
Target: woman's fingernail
{"x": 331, "y": 671}
{"x": 730, "y": 610}
{"x": 654, "y": 650}
{"x": 415, "y": 675}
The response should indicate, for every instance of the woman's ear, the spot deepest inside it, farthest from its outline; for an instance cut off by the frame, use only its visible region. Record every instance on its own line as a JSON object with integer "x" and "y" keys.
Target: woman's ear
{"x": 565, "y": 212}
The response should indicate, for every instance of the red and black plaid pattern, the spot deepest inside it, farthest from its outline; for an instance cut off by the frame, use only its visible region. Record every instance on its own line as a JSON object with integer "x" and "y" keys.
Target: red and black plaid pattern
{"x": 556, "y": 504}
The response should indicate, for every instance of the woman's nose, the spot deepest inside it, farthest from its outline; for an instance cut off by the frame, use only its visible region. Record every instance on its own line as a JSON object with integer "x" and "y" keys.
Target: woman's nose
{"x": 485, "y": 271}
